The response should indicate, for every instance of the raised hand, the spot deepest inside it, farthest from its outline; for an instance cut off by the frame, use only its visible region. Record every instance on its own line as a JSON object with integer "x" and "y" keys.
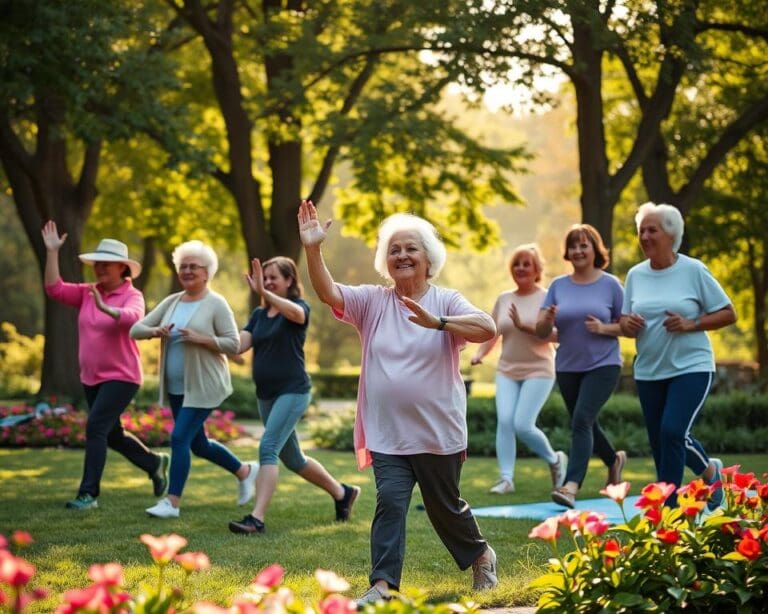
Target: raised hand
{"x": 420, "y": 316}
{"x": 256, "y": 278}
{"x": 51, "y": 238}
{"x": 311, "y": 231}
{"x": 515, "y": 316}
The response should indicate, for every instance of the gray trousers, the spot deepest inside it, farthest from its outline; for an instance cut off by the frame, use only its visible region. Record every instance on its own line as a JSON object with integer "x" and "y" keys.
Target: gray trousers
{"x": 438, "y": 479}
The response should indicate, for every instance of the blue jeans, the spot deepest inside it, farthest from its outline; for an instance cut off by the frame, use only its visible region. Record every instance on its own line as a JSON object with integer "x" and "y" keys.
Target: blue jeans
{"x": 670, "y": 407}
{"x": 189, "y": 435}
{"x": 280, "y": 416}
{"x": 584, "y": 394}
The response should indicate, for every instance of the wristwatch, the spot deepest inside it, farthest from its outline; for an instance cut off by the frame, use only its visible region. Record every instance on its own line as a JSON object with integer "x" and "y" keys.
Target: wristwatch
{"x": 443, "y": 322}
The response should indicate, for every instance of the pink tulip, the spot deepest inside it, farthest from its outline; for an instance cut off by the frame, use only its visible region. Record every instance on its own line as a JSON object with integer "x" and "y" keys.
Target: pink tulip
{"x": 330, "y": 582}
{"x": 269, "y": 577}
{"x": 337, "y": 604}
{"x": 547, "y": 530}
{"x": 3, "y": 542}
{"x": 110, "y": 574}
{"x": 616, "y": 492}
{"x": 595, "y": 524}
{"x": 91, "y": 599}
{"x": 193, "y": 561}
{"x": 15, "y": 570}
{"x": 163, "y": 548}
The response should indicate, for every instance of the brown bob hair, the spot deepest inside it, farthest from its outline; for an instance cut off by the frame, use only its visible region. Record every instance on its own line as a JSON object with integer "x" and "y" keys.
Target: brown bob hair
{"x": 579, "y": 231}
{"x": 287, "y": 268}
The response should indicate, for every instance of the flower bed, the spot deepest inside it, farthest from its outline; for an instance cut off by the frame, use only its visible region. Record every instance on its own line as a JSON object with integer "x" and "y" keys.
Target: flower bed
{"x": 65, "y": 426}
{"x": 663, "y": 559}
{"x": 266, "y": 594}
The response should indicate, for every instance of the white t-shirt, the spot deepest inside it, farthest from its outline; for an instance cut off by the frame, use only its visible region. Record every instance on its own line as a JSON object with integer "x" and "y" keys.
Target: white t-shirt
{"x": 687, "y": 288}
{"x": 411, "y": 398}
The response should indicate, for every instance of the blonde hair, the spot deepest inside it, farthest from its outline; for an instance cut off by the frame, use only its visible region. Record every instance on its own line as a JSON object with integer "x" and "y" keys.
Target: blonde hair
{"x": 533, "y": 250}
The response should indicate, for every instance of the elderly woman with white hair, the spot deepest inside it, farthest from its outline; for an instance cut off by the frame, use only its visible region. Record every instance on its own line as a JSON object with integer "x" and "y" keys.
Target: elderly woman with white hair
{"x": 411, "y": 404}
{"x": 670, "y": 300}
{"x": 197, "y": 330}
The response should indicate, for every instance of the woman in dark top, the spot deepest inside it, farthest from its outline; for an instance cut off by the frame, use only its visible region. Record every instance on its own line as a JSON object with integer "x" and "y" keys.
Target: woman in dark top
{"x": 277, "y": 331}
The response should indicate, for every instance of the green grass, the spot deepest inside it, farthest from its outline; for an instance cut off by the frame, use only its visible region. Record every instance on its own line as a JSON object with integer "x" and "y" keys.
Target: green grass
{"x": 301, "y": 535}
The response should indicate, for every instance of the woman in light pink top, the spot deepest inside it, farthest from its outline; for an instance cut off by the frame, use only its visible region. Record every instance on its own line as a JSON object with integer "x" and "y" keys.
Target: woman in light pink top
{"x": 526, "y": 371}
{"x": 110, "y": 369}
{"x": 411, "y": 405}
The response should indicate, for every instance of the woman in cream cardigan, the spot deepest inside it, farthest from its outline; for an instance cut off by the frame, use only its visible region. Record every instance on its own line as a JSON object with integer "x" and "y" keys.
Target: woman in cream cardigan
{"x": 197, "y": 329}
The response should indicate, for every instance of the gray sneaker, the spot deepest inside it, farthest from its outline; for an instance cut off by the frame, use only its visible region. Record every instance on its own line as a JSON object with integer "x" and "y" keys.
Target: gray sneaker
{"x": 484, "y": 571}
{"x": 373, "y": 595}
{"x": 559, "y": 469}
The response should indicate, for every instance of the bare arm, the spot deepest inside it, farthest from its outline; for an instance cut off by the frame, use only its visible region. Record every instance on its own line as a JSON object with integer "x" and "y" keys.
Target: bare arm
{"x": 312, "y": 234}
{"x": 546, "y": 322}
{"x": 287, "y": 308}
{"x": 474, "y": 327}
{"x": 594, "y": 325}
{"x": 53, "y": 243}
{"x": 675, "y": 323}
{"x": 483, "y": 350}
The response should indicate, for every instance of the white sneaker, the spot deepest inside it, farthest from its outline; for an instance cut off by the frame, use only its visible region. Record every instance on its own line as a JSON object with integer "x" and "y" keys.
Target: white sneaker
{"x": 559, "y": 469}
{"x": 246, "y": 488}
{"x": 503, "y": 487}
{"x": 163, "y": 509}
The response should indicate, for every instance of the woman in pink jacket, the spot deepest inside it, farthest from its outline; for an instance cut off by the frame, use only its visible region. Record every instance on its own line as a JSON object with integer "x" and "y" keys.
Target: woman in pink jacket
{"x": 110, "y": 369}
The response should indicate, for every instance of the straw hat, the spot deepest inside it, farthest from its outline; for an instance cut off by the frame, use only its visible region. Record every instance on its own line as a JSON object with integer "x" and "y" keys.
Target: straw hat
{"x": 111, "y": 250}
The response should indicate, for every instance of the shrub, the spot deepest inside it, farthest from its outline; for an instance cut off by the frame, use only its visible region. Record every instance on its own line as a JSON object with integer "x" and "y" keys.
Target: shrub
{"x": 735, "y": 422}
{"x": 663, "y": 559}
{"x": 265, "y": 594}
{"x": 22, "y": 360}
{"x": 65, "y": 426}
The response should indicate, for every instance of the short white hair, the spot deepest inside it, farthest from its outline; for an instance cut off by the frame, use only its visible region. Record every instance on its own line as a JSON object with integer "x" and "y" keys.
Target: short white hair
{"x": 670, "y": 218}
{"x": 197, "y": 249}
{"x": 407, "y": 222}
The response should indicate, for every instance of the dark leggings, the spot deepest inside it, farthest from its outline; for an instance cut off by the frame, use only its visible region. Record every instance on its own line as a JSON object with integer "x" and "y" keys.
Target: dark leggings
{"x": 106, "y": 401}
{"x": 584, "y": 394}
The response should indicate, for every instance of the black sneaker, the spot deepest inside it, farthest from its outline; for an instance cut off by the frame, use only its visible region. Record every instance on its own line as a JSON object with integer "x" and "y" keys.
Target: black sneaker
{"x": 344, "y": 506}
{"x": 160, "y": 476}
{"x": 247, "y": 526}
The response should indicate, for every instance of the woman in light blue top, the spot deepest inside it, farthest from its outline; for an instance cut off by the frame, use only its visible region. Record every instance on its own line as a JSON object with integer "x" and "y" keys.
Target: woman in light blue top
{"x": 585, "y": 307}
{"x": 670, "y": 301}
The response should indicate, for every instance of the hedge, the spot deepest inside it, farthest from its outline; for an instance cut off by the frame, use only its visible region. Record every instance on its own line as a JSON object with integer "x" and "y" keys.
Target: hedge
{"x": 735, "y": 423}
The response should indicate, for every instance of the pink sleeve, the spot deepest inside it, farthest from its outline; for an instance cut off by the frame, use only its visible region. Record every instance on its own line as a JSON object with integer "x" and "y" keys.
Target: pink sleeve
{"x": 133, "y": 309}
{"x": 67, "y": 293}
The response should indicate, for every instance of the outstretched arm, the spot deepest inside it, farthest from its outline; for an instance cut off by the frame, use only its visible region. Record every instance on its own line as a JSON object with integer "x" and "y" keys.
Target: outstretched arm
{"x": 53, "y": 243}
{"x": 312, "y": 234}
{"x": 287, "y": 308}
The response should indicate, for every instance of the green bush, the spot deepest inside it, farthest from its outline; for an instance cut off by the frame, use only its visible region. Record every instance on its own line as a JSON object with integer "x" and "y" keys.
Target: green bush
{"x": 735, "y": 422}
{"x": 334, "y": 385}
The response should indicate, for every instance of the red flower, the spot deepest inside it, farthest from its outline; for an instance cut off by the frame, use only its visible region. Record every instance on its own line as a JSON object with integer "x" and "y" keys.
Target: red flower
{"x": 744, "y": 481}
{"x": 728, "y": 472}
{"x": 653, "y": 515}
{"x": 654, "y": 495}
{"x": 110, "y": 574}
{"x": 668, "y": 536}
{"x": 749, "y": 548}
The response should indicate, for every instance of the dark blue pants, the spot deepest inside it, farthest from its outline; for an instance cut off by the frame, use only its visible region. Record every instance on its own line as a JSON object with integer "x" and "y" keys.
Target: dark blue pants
{"x": 584, "y": 394}
{"x": 106, "y": 401}
{"x": 438, "y": 479}
{"x": 189, "y": 435}
{"x": 670, "y": 407}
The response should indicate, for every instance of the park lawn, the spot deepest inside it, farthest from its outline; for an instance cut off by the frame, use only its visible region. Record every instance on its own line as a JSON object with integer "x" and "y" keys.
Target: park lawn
{"x": 301, "y": 534}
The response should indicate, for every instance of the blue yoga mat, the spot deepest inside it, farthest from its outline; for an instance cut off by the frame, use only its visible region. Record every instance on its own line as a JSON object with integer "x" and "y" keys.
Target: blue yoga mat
{"x": 542, "y": 511}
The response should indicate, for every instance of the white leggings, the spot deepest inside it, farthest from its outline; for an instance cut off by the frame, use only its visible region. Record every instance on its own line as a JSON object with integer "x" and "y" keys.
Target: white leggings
{"x": 518, "y": 403}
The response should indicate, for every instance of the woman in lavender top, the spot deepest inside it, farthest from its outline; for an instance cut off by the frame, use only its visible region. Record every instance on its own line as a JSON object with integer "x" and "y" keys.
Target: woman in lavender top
{"x": 411, "y": 405}
{"x": 585, "y": 307}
